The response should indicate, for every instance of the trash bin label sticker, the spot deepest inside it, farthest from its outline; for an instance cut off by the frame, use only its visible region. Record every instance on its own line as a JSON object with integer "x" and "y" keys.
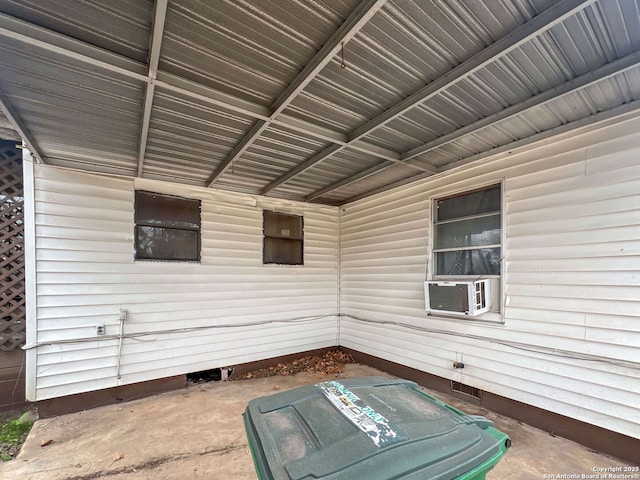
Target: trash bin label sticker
{"x": 380, "y": 430}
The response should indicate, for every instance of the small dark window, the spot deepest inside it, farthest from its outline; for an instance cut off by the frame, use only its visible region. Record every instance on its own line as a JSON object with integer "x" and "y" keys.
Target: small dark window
{"x": 283, "y": 237}
{"x": 167, "y": 228}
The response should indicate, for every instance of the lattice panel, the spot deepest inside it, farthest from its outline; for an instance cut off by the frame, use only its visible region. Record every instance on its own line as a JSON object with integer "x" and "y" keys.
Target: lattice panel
{"x": 12, "y": 295}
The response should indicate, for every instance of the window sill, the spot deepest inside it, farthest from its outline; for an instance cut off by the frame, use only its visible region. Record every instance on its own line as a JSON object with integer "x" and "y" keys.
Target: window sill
{"x": 157, "y": 260}
{"x": 282, "y": 265}
{"x": 489, "y": 318}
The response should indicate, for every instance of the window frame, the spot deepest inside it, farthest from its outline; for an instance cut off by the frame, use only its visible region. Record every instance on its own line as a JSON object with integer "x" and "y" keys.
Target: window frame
{"x": 266, "y": 237}
{"x": 138, "y": 224}
{"x": 498, "y": 282}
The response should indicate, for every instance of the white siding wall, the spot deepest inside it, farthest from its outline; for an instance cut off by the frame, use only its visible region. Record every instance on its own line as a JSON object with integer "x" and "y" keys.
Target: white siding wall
{"x": 86, "y": 272}
{"x": 572, "y": 258}
{"x": 572, "y": 282}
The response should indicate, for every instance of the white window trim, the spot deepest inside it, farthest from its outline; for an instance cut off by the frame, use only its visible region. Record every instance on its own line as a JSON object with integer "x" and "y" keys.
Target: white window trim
{"x": 493, "y": 317}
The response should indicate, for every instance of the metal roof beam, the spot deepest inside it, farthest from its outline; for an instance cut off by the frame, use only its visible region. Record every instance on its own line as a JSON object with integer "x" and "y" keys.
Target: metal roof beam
{"x": 628, "y": 108}
{"x": 154, "y": 58}
{"x": 349, "y": 180}
{"x": 347, "y": 30}
{"x": 358, "y": 18}
{"x": 210, "y": 96}
{"x": 332, "y": 150}
{"x": 310, "y": 162}
{"x": 50, "y": 41}
{"x": 606, "y": 71}
{"x": 253, "y": 133}
{"x": 623, "y": 109}
{"x": 367, "y": 173}
{"x": 331, "y": 136}
{"x": 19, "y": 127}
{"x": 53, "y": 42}
{"x": 524, "y": 33}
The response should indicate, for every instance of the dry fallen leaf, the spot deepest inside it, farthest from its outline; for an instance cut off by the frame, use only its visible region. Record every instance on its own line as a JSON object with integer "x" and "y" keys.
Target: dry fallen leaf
{"x": 329, "y": 363}
{"x": 119, "y": 456}
{"x": 44, "y": 443}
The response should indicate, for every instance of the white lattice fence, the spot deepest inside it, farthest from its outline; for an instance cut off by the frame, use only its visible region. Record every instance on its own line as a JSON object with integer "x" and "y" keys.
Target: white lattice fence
{"x": 12, "y": 295}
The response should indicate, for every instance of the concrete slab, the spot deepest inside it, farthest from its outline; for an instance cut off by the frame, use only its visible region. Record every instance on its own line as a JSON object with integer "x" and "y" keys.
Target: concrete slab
{"x": 197, "y": 433}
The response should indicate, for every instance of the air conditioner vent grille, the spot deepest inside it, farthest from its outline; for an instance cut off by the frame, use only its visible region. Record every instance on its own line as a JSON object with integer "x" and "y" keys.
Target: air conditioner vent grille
{"x": 451, "y": 297}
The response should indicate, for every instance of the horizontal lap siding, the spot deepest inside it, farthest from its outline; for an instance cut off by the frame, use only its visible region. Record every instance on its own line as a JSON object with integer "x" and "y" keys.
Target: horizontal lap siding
{"x": 86, "y": 272}
{"x": 572, "y": 256}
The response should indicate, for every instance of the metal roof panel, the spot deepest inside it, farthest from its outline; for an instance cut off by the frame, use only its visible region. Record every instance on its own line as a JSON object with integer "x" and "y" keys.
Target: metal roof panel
{"x": 76, "y": 73}
{"x": 243, "y": 48}
{"x": 119, "y": 26}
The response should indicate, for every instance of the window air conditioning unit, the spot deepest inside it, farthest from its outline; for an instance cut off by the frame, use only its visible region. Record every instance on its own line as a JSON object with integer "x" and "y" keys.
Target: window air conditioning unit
{"x": 467, "y": 298}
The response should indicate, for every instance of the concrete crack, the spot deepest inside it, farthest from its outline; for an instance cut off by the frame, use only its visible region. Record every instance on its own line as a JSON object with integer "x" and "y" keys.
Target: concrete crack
{"x": 156, "y": 462}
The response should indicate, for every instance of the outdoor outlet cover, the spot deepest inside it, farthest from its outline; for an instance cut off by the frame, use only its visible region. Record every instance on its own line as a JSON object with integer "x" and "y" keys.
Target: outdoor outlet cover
{"x": 100, "y": 330}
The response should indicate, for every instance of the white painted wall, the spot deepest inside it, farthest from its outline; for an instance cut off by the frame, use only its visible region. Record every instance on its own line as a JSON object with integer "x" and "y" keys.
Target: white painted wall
{"x": 572, "y": 279}
{"x": 85, "y": 272}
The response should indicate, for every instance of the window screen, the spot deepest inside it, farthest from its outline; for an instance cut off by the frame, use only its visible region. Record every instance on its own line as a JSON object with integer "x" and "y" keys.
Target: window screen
{"x": 283, "y": 239}
{"x": 167, "y": 228}
{"x": 467, "y": 234}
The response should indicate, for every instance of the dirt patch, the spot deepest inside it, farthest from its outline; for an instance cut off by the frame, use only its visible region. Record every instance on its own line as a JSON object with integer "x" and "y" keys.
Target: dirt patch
{"x": 8, "y": 451}
{"x": 330, "y": 363}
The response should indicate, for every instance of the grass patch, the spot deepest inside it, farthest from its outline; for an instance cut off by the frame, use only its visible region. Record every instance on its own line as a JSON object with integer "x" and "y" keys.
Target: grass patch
{"x": 12, "y": 435}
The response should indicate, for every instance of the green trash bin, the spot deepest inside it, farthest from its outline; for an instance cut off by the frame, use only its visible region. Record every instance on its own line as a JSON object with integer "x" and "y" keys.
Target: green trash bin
{"x": 369, "y": 428}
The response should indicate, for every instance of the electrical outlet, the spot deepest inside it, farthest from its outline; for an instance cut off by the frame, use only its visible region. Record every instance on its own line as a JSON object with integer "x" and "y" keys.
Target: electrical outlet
{"x": 100, "y": 330}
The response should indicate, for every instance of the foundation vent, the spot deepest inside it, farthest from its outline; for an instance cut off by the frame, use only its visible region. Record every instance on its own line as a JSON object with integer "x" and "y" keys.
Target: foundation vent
{"x": 466, "y": 390}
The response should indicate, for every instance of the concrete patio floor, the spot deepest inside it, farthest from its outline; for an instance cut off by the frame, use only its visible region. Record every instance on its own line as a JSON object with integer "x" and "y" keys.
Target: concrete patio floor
{"x": 198, "y": 433}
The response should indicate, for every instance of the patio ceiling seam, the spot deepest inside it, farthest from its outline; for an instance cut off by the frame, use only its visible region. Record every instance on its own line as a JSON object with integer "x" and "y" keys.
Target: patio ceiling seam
{"x": 524, "y": 33}
{"x": 358, "y": 18}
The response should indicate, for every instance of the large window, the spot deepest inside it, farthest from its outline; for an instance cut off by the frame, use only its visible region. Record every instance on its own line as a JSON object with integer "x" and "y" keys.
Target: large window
{"x": 167, "y": 228}
{"x": 468, "y": 234}
{"x": 283, "y": 238}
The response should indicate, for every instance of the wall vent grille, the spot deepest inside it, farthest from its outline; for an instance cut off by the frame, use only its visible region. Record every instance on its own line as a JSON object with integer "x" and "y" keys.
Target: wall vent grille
{"x": 466, "y": 390}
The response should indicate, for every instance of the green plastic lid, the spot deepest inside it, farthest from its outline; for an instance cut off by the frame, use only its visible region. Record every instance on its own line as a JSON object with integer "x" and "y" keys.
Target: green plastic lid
{"x": 367, "y": 428}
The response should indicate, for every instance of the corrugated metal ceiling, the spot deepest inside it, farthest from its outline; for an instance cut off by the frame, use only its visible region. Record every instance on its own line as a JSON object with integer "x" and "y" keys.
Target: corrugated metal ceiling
{"x": 317, "y": 100}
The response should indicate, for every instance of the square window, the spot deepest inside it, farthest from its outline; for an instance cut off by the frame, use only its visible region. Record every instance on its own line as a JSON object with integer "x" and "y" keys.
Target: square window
{"x": 467, "y": 234}
{"x": 283, "y": 239}
{"x": 167, "y": 227}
